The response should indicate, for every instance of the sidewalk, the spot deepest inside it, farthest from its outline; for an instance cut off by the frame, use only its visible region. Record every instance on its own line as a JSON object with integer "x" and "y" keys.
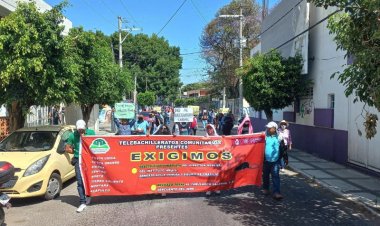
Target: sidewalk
{"x": 347, "y": 182}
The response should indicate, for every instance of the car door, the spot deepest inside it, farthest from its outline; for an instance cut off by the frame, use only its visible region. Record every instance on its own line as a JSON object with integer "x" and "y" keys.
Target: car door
{"x": 67, "y": 170}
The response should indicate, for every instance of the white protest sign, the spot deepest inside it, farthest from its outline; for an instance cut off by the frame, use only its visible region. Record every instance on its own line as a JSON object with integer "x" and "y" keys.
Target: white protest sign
{"x": 183, "y": 114}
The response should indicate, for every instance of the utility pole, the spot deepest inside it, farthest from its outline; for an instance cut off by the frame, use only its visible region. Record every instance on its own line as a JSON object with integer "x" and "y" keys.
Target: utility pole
{"x": 120, "y": 21}
{"x": 121, "y": 40}
{"x": 240, "y": 16}
{"x": 241, "y": 60}
{"x": 224, "y": 97}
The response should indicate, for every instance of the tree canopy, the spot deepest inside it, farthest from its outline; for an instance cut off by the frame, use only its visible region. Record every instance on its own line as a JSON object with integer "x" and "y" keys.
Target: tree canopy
{"x": 357, "y": 30}
{"x": 272, "y": 82}
{"x": 32, "y": 70}
{"x": 100, "y": 78}
{"x": 155, "y": 63}
{"x": 146, "y": 99}
{"x": 220, "y": 44}
{"x": 195, "y": 86}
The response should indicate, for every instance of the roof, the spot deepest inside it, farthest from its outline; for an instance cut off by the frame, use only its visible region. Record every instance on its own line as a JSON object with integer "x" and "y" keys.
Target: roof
{"x": 46, "y": 128}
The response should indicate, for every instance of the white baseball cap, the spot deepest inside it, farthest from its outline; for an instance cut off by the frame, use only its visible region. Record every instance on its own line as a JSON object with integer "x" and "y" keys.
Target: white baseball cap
{"x": 271, "y": 125}
{"x": 81, "y": 124}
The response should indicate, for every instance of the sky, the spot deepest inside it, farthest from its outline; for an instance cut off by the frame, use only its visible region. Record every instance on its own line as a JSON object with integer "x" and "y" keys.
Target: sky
{"x": 184, "y": 29}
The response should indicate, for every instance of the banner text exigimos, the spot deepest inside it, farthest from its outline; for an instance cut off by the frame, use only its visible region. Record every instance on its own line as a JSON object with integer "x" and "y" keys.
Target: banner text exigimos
{"x": 134, "y": 165}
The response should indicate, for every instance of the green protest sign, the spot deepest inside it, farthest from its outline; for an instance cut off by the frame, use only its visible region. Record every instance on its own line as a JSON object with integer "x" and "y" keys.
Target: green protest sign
{"x": 124, "y": 110}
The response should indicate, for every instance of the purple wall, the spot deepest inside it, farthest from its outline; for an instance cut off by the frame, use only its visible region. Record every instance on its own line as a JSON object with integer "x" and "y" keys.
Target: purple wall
{"x": 324, "y": 117}
{"x": 330, "y": 144}
{"x": 289, "y": 116}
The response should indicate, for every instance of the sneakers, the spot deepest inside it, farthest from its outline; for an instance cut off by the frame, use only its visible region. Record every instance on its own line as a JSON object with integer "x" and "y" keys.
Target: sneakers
{"x": 81, "y": 208}
{"x": 277, "y": 196}
{"x": 208, "y": 193}
{"x": 88, "y": 200}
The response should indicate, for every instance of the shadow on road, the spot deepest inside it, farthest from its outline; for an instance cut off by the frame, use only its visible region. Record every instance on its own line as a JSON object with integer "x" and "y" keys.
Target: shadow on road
{"x": 18, "y": 202}
{"x": 304, "y": 203}
{"x": 69, "y": 199}
{"x": 121, "y": 199}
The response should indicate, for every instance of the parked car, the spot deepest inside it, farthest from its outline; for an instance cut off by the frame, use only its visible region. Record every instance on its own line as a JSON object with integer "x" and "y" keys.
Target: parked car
{"x": 41, "y": 164}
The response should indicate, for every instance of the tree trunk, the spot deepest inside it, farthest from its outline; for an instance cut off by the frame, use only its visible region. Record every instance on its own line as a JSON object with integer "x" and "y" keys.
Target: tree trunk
{"x": 16, "y": 117}
{"x": 269, "y": 114}
{"x": 86, "y": 111}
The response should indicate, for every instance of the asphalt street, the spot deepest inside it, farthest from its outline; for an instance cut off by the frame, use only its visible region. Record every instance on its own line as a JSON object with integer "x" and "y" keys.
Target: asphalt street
{"x": 305, "y": 203}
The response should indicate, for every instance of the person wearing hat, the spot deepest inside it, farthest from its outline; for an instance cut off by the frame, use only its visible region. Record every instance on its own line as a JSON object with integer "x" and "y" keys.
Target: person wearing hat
{"x": 72, "y": 147}
{"x": 272, "y": 160}
{"x": 284, "y": 133}
{"x": 211, "y": 132}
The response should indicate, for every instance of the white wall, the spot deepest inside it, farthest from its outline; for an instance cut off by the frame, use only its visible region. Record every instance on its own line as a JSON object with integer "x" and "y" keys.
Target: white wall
{"x": 8, "y": 6}
{"x": 326, "y": 60}
{"x": 74, "y": 113}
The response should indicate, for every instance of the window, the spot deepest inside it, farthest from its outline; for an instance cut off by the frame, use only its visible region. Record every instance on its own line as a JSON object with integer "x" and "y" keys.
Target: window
{"x": 331, "y": 101}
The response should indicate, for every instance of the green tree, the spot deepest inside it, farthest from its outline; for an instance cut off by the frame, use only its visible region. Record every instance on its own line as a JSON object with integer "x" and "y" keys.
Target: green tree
{"x": 100, "y": 78}
{"x": 195, "y": 86}
{"x": 32, "y": 66}
{"x": 190, "y": 101}
{"x": 357, "y": 31}
{"x": 154, "y": 62}
{"x": 272, "y": 82}
{"x": 179, "y": 102}
{"x": 219, "y": 43}
{"x": 147, "y": 98}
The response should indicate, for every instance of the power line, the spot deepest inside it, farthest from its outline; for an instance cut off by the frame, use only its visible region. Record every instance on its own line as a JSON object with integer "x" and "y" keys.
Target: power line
{"x": 175, "y": 13}
{"x": 279, "y": 19}
{"x": 308, "y": 29}
{"x": 109, "y": 8}
{"x": 199, "y": 12}
{"x": 129, "y": 13}
{"x": 96, "y": 13}
{"x": 190, "y": 53}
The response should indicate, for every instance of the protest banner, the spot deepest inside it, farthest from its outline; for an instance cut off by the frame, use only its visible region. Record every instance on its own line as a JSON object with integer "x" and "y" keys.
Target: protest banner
{"x": 224, "y": 110}
{"x": 183, "y": 114}
{"x": 136, "y": 165}
{"x": 195, "y": 109}
{"x": 125, "y": 110}
{"x": 157, "y": 108}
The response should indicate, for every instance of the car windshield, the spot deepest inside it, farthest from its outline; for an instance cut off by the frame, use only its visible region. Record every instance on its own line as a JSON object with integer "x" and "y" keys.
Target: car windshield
{"x": 26, "y": 141}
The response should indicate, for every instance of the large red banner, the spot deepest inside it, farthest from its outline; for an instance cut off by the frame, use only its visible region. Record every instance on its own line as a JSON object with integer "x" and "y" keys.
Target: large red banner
{"x": 134, "y": 165}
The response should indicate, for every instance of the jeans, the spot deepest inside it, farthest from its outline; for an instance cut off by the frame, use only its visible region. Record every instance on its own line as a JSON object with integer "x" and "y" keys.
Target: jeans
{"x": 80, "y": 186}
{"x": 272, "y": 168}
{"x": 204, "y": 123}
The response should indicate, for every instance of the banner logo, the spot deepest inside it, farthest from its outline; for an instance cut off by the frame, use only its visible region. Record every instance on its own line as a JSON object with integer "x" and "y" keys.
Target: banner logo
{"x": 99, "y": 146}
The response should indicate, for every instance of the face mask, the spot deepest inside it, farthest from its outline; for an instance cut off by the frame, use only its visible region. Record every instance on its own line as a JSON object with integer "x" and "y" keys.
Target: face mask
{"x": 283, "y": 127}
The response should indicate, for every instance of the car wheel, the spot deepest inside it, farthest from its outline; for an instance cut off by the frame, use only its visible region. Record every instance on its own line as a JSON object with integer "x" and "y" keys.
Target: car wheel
{"x": 54, "y": 186}
{"x": 2, "y": 216}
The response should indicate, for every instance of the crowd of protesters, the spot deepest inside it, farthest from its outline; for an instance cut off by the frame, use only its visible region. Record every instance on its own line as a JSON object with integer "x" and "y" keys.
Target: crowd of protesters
{"x": 277, "y": 140}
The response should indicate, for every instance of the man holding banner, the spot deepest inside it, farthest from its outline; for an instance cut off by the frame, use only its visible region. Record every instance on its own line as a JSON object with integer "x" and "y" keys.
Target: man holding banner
{"x": 72, "y": 147}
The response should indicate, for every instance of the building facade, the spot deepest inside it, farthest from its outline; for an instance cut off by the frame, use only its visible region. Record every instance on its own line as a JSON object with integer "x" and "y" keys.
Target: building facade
{"x": 8, "y": 6}
{"x": 324, "y": 122}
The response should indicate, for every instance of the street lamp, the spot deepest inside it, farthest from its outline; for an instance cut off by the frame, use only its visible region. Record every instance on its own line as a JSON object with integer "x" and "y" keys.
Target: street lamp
{"x": 240, "y": 16}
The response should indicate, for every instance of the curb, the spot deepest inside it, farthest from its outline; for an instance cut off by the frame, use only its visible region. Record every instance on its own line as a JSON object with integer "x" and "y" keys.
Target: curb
{"x": 337, "y": 191}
